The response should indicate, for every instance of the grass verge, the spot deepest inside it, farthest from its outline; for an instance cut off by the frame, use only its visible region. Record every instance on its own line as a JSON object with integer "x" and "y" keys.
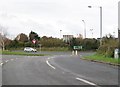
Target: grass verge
{"x": 54, "y": 49}
{"x": 21, "y": 53}
{"x": 102, "y": 58}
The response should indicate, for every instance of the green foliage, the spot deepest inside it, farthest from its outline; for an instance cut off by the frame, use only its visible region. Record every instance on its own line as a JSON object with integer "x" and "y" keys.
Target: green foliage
{"x": 90, "y": 44}
{"x": 55, "y": 49}
{"x": 87, "y": 44}
{"x": 102, "y": 58}
{"x": 73, "y": 42}
{"x": 22, "y": 37}
{"x": 51, "y": 42}
{"x": 21, "y": 53}
{"x": 33, "y": 35}
{"x": 109, "y": 43}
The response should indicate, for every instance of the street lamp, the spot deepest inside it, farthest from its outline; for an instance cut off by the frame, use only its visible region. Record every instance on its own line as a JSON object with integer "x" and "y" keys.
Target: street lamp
{"x": 60, "y": 33}
{"x": 91, "y": 32}
{"x": 100, "y": 24}
{"x": 84, "y": 28}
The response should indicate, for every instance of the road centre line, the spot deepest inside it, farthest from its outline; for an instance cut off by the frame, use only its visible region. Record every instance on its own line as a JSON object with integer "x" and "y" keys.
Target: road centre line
{"x": 85, "y": 81}
{"x": 50, "y": 64}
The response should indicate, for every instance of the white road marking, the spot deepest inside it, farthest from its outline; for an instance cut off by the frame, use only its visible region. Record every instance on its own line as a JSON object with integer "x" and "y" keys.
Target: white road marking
{"x": 12, "y": 59}
{"x": 6, "y": 61}
{"x": 1, "y": 64}
{"x": 83, "y": 80}
{"x": 80, "y": 55}
{"x": 50, "y": 65}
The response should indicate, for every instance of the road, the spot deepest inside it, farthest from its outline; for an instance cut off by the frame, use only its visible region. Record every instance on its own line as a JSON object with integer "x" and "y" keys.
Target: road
{"x": 59, "y": 69}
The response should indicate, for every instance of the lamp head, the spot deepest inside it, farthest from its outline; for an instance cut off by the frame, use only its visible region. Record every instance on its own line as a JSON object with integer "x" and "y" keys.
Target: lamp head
{"x": 89, "y": 6}
{"x": 83, "y": 20}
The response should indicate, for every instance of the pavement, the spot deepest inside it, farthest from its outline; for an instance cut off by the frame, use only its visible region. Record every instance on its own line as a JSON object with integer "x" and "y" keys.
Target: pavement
{"x": 60, "y": 68}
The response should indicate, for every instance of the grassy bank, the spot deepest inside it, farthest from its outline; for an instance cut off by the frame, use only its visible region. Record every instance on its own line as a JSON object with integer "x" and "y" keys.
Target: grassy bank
{"x": 102, "y": 58}
{"x": 45, "y": 49}
{"x": 21, "y": 53}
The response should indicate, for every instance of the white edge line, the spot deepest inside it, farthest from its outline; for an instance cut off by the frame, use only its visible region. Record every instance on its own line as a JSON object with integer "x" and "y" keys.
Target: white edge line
{"x": 83, "y": 80}
{"x": 50, "y": 65}
{"x": 1, "y": 64}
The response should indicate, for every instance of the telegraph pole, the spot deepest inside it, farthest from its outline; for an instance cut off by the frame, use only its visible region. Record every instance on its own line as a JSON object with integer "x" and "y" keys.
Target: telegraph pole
{"x": 119, "y": 41}
{"x": 119, "y": 27}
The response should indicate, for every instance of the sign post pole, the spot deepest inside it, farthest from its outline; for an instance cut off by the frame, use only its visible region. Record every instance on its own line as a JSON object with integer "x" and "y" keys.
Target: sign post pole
{"x": 76, "y": 48}
{"x": 34, "y": 41}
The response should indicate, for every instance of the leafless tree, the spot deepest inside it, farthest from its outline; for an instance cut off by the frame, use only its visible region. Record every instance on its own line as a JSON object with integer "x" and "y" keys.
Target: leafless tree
{"x": 3, "y": 34}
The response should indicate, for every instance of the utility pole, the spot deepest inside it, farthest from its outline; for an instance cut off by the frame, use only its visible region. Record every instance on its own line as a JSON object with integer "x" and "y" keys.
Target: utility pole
{"x": 119, "y": 41}
{"x": 119, "y": 27}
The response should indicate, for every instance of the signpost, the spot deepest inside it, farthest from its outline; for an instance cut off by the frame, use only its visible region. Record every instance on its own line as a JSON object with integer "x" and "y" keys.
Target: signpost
{"x": 76, "y": 48}
{"x": 34, "y": 41}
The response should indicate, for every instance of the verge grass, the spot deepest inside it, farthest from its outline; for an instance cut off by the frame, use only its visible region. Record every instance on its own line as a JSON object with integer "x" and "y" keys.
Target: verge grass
{"x": 21, "y": 53}
{"x": 102, "y": 58}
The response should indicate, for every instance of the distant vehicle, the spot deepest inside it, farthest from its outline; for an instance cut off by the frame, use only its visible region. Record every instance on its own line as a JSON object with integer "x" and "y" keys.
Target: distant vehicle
{"x": 29, "y": 49}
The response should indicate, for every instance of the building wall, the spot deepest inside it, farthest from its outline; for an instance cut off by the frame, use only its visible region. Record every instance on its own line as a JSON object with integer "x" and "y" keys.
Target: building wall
{"x": 67, "y": 38}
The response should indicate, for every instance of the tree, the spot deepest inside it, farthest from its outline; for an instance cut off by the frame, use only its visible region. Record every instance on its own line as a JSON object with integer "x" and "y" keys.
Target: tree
{"x": 33, "y": 35}
{"x": 74, "y": 42}
{"x": 22, "y": 38}
{"x": 3, "y": 34}
{"x": 87, "y": 44}
{"x": 109, "y": 43}
{"x": 51, "y": 42}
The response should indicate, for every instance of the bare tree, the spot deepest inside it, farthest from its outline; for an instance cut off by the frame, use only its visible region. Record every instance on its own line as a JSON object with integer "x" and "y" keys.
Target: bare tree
{"x": 3, "y": 34}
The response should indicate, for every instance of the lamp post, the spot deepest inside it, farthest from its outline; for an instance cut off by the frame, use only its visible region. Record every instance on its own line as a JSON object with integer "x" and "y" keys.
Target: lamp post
{"x": 60, "y": 33}
{"x": 84, "y": 28}
{"x": 100, "y": 23}
{"x": 91, "y": 32}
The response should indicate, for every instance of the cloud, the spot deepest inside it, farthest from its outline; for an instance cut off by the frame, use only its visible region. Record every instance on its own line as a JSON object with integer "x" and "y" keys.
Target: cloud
{"x": 48, "y": 17}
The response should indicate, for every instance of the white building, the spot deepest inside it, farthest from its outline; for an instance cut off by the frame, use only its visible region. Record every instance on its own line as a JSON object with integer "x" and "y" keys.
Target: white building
{"x": 67, "y": 38}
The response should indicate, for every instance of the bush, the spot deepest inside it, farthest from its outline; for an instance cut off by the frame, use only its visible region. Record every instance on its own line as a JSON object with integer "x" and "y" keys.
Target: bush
{"x": 108, "y": 46}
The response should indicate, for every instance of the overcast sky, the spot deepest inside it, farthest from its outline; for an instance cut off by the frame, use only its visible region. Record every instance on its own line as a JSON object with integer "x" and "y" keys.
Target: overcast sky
{"x": 48, "y": 17}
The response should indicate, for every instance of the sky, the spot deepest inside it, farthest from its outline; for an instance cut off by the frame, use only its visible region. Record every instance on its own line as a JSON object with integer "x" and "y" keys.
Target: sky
{"x": 48, "y": 17}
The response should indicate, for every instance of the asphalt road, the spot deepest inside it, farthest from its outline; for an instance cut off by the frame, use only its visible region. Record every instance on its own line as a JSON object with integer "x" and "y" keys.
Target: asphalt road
{"x": 60, "y": 69}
